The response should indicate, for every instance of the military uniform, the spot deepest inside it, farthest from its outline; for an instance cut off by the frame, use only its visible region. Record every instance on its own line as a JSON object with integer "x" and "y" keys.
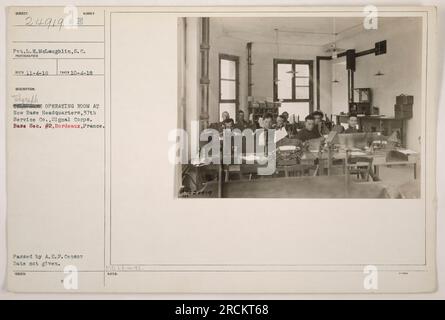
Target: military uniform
{"x": 304, "y": 134}
{"x": 352, "y": 130}
{"x": 241, "y": 125}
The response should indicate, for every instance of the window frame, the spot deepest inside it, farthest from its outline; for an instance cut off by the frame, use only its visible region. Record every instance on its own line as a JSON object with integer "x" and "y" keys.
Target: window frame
{"x": 224, "y": 56}
{"x": 294, "y": 62}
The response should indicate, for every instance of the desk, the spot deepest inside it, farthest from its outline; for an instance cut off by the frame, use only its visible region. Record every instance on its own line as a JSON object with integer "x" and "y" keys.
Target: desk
{"x": 379, "y": 123}
{"x": 377, "y": 158}
{"x": 312, "y": 163}
{"x": 393, "y": 157}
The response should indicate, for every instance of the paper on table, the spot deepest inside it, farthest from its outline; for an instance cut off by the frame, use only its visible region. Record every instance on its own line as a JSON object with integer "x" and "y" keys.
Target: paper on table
{"x": 358, "y": 153}
{"x": 280, "y": 134}
{"x": 406, "y": 151}
{"x": 287, "y": 148}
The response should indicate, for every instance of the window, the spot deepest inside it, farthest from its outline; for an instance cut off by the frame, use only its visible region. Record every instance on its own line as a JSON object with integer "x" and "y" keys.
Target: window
{"x": 293, "y": 85}
{"x": 228, "y": 84}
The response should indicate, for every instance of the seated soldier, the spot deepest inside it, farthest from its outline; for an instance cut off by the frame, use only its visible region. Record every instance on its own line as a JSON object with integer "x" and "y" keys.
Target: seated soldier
{"x": 320, "y": 124}
{"x": 267, "y": 121}
{"x": 280, "y": 124}
{"x": 352, "y": 124}
{"x": 285, "y": 116}
{"x": 220, "y": 125}
{"x": 263, "y": 132}
{"x": 241, "y": 122}
{"x": 225, "y": 115}
{"x": 309, "y": 131}
{"x": 253, "y": 121}
{"x": 228, "y": 124}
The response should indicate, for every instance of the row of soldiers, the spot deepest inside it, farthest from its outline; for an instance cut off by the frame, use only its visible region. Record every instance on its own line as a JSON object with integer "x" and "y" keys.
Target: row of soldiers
{"x": 314, "y": 125}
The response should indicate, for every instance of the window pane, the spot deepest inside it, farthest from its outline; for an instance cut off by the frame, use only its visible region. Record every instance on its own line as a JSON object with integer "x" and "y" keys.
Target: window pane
{"x": 302, "y": 82}
{"x": 229, "y": 107}
{"x": 298, "y": 109}
{"x": 284, "y": 84}
{"x": 228, "y": 89}
{"x": 302, "y": 70}
{"x": 228, "y": 69}
{"x": 301, "y": 92}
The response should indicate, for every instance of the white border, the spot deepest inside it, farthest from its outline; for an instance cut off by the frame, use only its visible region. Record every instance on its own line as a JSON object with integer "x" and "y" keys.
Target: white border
{"x": 440, "y": 148}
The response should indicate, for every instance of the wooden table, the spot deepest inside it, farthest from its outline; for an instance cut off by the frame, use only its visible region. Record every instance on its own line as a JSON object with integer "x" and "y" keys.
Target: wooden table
{"x": 316, "y": 160}
{"x": 380, "y": 123}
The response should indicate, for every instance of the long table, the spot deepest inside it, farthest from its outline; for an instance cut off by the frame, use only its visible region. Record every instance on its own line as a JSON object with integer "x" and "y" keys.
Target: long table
{"x": 322, "y": 162}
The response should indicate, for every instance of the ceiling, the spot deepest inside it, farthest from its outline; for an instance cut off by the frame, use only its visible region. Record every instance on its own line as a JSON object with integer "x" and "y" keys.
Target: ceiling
{"x": 309, "y": 31}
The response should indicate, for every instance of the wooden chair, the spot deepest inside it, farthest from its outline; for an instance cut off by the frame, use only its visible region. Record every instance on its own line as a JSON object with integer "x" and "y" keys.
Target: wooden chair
{"x": 360, "y": 166}
{"x": 361, "y": 169}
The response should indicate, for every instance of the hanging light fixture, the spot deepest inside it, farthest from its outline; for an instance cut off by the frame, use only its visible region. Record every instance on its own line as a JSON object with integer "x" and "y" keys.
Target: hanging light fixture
{"x": 278, "y": 54}
{"x": 292, "y": 72}
{"x": 333, "y": 50}
{"x": 380, "y": 50}
{"x": 276, "y": 80}
{"x": 335, "y": 76}
{"x": 334, "y": 53}
{"x": 379, "y": 74}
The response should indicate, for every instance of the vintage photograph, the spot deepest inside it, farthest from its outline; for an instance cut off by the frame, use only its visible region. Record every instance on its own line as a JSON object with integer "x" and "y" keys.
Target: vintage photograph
{"x": 217, "y": 150}
{"x": 300, "y": 107}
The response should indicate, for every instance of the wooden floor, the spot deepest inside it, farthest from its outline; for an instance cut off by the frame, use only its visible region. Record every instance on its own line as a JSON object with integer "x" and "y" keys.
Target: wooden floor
{"x": 399, "y": 179}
